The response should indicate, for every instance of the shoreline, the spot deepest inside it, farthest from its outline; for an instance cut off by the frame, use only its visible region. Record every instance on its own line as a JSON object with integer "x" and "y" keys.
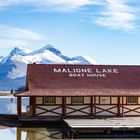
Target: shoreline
{"x": 5, "y": 94}
{"x": 3, "y": 127}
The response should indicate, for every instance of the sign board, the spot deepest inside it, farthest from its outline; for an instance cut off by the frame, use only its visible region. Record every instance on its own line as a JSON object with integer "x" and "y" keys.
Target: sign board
{"x": 86, "y": 72}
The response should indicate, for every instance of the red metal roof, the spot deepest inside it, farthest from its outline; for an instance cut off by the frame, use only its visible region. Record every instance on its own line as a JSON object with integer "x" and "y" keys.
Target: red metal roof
{"x": 86, "y": 80}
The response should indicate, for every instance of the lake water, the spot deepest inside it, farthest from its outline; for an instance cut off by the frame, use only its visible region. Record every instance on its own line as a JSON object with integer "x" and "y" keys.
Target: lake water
{"x": 37, "y": 134}
{"x": 8, "y": 106}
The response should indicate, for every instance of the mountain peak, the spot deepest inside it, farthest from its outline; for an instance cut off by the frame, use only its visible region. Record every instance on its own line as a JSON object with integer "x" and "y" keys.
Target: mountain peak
{"x": 48, "y": 47}
{"x": 52, "y": 49}
{"x": 19, "y": 51}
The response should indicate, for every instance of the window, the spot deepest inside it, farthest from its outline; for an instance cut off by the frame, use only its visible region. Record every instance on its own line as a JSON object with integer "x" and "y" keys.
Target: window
{"x": 77, "y": 100}
{"x": 104, "y": 101}
{"x": 49, "y": 100}
{"x": 132, "y": 100}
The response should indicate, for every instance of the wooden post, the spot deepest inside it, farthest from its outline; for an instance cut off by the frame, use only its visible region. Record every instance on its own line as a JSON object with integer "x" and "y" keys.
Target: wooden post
{"x": 91, "y": 106}
{"x": 19, "y": 106}
{"x": 64, "y": 107}
{"x": 119, "y": 106}
{"x": 110, "y": 99}
{"x": 94, "y": 106}
{"x": 122, "y": 106}
{"x": 33, "y": 106}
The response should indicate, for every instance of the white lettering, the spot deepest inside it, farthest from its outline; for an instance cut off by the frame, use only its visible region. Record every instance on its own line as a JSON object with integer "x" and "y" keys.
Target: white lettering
{"x": 98, "y": 71}
{"x": 86, "y": 72}
{"x": 105, "y": 71}
{"x": 110, "y": 70}
{"x": 78, "y": 70}
{"x": 76, "y": 75}
{"x": 56, "y": 70}
{"x": 115, "y": 71}
{"x": 74, "y": 70}
{"x": 70, "y": 71}
{"x": 96, "y": 75}
{"x": 89, "y": 70}
{"x": 64, "y": 71}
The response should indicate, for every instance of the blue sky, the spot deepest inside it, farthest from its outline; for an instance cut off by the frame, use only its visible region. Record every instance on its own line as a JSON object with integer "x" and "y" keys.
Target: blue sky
{"x": 106, "y": 30}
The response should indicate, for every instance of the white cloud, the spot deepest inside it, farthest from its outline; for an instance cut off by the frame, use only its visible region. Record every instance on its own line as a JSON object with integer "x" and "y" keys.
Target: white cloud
{"x": 12, "y": 36}
{"x": 62, "y": 5}
{"x": 115, "y": 14}
{"x": 12, "y": 42}
{"x": 18, "y": 33}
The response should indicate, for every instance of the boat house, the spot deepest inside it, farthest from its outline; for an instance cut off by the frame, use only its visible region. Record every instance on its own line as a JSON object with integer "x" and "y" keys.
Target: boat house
{"x": 81, "y": 91}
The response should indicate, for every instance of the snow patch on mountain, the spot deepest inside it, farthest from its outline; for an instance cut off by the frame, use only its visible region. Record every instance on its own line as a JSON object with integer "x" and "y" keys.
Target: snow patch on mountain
{"x": 15, "y": 52}
{"x": 49, "y": 56}
{"x": 18, "y": 71}
{"x": 90, "y": 60}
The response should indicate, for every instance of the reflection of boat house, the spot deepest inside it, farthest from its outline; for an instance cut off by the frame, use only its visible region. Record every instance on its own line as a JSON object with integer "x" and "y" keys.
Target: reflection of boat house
{"x": 83, "y": 91}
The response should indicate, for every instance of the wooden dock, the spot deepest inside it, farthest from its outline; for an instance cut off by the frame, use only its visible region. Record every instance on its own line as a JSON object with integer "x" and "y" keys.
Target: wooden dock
{"x": 109, "y": 128}
{"x": 127, "y": 127}
{"x": 15, "y": 121}
{"x": 9, "y": 120}
{"x": 49, "y": 122}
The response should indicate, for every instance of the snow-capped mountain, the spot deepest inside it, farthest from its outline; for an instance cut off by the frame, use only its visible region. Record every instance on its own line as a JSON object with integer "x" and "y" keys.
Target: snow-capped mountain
{"x": 13, "y": 66}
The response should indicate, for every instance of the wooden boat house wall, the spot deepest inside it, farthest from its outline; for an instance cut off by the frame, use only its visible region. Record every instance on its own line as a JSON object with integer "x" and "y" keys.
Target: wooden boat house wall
{"x": 79, "y": 91}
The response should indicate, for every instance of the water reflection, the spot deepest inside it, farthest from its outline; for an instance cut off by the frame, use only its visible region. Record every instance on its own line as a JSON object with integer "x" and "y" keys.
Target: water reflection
{"x": 40, "y": 133}
{"x": 8, "y": 133}
{"x": 36, "y": 134}
{"x": 9, "y": 105}
{"x": 30, "y": 134}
